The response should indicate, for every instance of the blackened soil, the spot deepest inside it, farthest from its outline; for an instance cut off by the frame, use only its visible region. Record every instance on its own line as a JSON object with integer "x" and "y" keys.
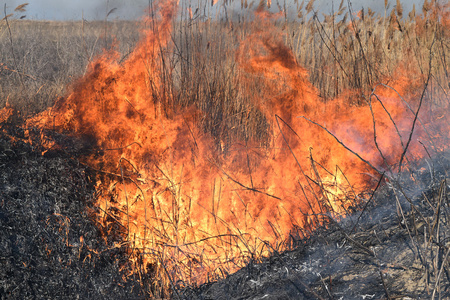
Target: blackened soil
{"x": 50, "y": 247}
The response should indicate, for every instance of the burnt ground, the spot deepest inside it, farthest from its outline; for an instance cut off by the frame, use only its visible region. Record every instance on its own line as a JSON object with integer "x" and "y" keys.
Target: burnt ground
{"x": 50, "y": 246}
{"x": 396, "y": 247}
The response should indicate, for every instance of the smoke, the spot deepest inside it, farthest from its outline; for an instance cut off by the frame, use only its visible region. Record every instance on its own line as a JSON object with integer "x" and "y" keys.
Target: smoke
{"x": 133, "y": 9}
{"x": 75, "y": 10}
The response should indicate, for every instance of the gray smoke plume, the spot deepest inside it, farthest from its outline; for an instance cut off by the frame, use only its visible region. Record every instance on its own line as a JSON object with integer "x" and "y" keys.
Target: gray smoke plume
{"x": 133, "y": 9}
{"x": 75, "y": 10}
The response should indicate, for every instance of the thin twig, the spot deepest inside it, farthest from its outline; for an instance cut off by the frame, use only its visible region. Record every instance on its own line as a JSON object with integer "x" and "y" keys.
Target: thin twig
{"x": 343, "y": 145}
{"x": 353, "y": 241}
{"x": 367, "y": 203}
{"x": 388, "y": 296}
{"x": 306, "y": 287}
{"x": 12, "y": 48}
{"x": 418, "y": 110}
{"x": 375, "y": 135}
{"x": 437, "y": 283}
{"x": 246, "y": 187}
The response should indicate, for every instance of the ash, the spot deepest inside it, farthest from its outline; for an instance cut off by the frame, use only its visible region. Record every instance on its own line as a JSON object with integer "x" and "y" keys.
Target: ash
{"x": 50, "y": 246}
{"x": 397, "y": 247}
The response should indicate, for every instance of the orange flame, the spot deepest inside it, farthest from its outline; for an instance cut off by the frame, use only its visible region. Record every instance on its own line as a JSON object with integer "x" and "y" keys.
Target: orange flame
{"x": 197, "y": 214}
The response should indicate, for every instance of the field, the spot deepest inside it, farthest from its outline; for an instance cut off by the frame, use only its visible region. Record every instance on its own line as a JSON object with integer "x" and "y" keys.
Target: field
{"x": 44, "y": 57}
{"x": 220, "y": 141}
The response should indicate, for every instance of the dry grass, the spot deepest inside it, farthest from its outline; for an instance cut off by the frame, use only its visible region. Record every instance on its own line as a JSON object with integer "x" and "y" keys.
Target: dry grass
{"x": 346, "y": 53}
{"x": 353, "y": 51}
{"x": 43, "y": 57}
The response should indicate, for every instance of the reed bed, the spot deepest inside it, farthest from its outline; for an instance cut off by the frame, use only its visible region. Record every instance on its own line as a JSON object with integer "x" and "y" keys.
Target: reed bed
{"x": 346, "y": 54}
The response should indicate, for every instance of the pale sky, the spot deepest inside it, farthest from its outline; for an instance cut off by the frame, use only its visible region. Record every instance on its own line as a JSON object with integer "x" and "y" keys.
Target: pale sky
{"x": 133, "y": 9}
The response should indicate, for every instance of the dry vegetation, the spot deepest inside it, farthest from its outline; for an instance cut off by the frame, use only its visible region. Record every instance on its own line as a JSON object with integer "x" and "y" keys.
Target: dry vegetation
{"x": 356, "y": 50}
{"x": 346, "y": 54}
{"x": 41, "y": 58}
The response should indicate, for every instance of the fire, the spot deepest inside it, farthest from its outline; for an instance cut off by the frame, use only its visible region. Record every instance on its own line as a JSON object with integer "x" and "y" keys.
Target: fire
{"x": 196, "y": 214}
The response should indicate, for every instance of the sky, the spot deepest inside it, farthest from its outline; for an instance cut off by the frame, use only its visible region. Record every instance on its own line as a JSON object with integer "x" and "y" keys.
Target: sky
{"x": 133, "y": 9}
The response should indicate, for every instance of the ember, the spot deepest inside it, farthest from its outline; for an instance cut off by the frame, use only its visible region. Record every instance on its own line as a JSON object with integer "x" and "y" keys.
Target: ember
{"x": 192, "y": 212}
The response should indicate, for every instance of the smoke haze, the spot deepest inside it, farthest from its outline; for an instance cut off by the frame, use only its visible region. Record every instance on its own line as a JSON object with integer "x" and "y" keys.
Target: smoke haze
{"x": 74, "y": 10}
{"x": 133, "y": 9}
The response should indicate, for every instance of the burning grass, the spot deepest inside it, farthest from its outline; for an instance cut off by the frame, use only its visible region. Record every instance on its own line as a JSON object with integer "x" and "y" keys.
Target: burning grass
{"x": 209, "y": 155}
{"x": 391, "y": 249}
